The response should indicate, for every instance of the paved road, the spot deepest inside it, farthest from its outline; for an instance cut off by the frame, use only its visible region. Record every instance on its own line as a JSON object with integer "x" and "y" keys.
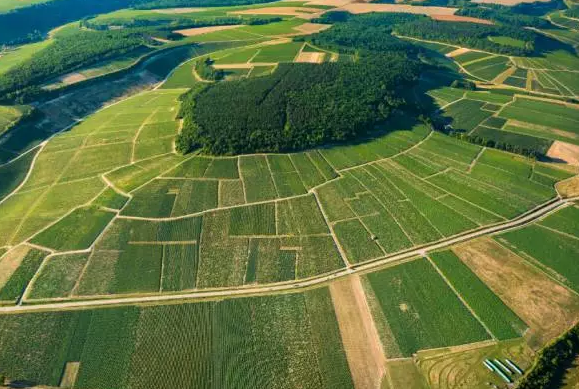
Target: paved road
{"x": 518, "y": 222}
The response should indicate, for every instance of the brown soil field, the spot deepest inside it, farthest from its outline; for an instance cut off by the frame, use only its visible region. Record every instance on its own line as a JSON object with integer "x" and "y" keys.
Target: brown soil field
{"x": 359, "y": 335}
{"x": 282, "y": 11}
{"x": 312, "y": 28}
{"x": 547, "y": 307}
{"x": 504, "y": 75}
{"x": 10, "y": 262}
{"x": 204, "y": 30}
{"x": 508, "y": 2}
{"x": 308, "y": 57}
{"x": 179, "y": 10}
{"x": 457, "y": 52}
{"x": 568, "y": 188}
{"x": 455, "y": 18}
{"x": 73, "y": 78}
{"x": 565, "y": 152}
{"x": 362, "y": 8}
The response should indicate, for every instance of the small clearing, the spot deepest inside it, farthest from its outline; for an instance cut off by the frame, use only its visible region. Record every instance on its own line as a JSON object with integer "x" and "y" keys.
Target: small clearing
{"x": 564, "y": 152}
{"x": 456, "y": 18}
{"x": 457, "y": 52}
{"x": 359, "y": 334}
{"x": 362, "y": 8}
{"x": 546, "y": 306}
{"x": 205, "y": 30}
{"x": 312, "y": 28}
{"x": 309, "y": 57}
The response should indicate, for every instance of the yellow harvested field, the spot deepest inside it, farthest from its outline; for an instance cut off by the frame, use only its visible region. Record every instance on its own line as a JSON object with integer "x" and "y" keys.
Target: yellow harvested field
{"x": 547, "y": 307}
{"x": 307, "y": 57}
{"x": 508, "y": 2}
{"x": 312, "y": 28}
{"x": 179, "y": 10}
{"x": 457, "y": 52}
{"x": 362, "y": 8}
{"x": 568, "y": 188}
{"x": 281, "y": 11}
{"x": 566, "y": 152}
{"x": 359, "y": 334}
{"x": 204, "y": 30}
{"x": 465, "y": 19}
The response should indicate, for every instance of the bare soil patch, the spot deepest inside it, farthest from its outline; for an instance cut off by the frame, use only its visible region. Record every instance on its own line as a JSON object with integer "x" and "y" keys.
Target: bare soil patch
{"x": 456, "y": 18}
{"x": 312, "y": 28}
{"x": 281, "y": 11}
{"x": 184, "y": 10}
{"x": 508, "y": 2}
{"x": 504, "y": 75}
{"x": 362, "y": 8}
{"x": 10, "y": 262}
{"x": 565, "y": 152}
{"x": 308, "y": 57}
{"x": 457, "y": 52}
{"x": 547, "y": 307}
{"x": 204, "y": 30}
{"x": 568, "y": 188}
{"x": 359, "y": 334}
{"x": 69, "y": 377}
{"x": 73, "y": 78}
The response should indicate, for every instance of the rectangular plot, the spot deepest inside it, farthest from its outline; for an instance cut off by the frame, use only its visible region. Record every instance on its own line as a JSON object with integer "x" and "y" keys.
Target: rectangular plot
{"x": 58, "y": 276}
{"x": 128, "y": 178}
{"x": 466, "y": 114}
{"x": 470, "y": 211}
{"x": 274, "y": 264}
{"x": 153, "y": 200}
{"x": 13, "y": 288}
{"x": 323, "y": 166}
{"x": 180, "y": 264}
{"x": 157, "y": 130}
{"x": 332, "y": 197}
{"x": 223, "y": 259}
{"x": 288, "y": 184}
{"x": 256, "y": 219}
{"x": 300, "y": 216}
{"x": 106, "y": 138}
{"x": 195, "y": 196}
{"x": 192, "y": 168}
{"x": 565, "y": 220}
{"x": 225, "y": 168}
{"x": 231, "y": 193}
{"x": 308, "y": 172}
{"x": 257, "y": 179}
{"x": 501, "y": 321}
{"x": 150, "y": 148}
{"x": 388, "y": 233}
{"x": 76, "y": 231}
{"x": 358, "y": 244}
{"x": 417, "y": 166}
{"x": 318, "y": 255}
{"x": 144, "y": 260}
{"x": 111, "y": 199}
{"x": 422, "y": 310}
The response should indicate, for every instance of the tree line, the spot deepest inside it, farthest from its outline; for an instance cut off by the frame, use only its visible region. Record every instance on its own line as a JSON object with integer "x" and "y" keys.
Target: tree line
{"x": 31, "y": 23}
{"x": 67, "y": 53}
{"x": 471, "y": 35}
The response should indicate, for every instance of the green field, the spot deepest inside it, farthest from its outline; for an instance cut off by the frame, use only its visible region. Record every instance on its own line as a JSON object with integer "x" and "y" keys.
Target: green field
{"x": 290, "y": 338}
{"x": 421, "y": 309}
{"x": 550, "y": 115}
{"x": 500, "y": 320}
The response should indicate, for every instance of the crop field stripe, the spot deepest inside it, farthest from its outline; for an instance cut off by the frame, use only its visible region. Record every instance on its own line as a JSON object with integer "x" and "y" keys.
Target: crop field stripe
{"x": 459, "y": 296}
{"x": 332, "y": 232}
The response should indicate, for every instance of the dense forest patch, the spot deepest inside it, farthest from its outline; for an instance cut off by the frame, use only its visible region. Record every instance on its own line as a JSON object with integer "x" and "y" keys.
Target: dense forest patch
{"x": 306, "y": 105}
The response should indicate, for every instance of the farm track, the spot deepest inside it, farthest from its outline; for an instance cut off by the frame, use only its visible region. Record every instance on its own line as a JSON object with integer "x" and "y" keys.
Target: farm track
{"x": 362, "y": 268}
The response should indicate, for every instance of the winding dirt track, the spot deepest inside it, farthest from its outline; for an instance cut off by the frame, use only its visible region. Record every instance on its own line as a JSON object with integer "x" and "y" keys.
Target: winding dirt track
{"x": 520, "y": 221}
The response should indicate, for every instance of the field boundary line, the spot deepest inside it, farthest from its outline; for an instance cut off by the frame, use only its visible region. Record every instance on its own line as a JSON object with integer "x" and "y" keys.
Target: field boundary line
{"x": 475, "y": 159}
{"x": 519, "y": 222}
{"x": 28, "y": 174}
{"x": 466, "y": 305}
{"x": 332, "y": 232}
{"x": 558, "y": 232}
